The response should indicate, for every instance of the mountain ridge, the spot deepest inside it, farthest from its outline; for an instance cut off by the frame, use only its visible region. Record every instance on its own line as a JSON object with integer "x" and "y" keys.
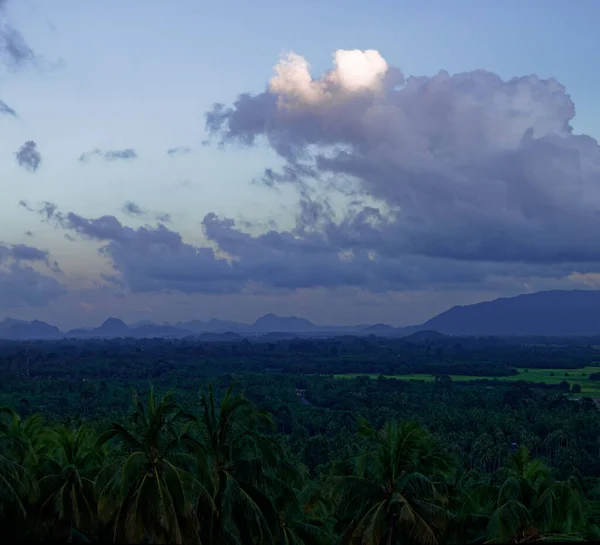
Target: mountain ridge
{"x": 545, "y": 313}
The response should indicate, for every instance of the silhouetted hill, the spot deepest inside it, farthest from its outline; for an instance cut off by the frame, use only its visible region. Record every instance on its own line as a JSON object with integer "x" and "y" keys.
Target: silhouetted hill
{"x": 149, "y": 331}
{"x": 425, "y": 335}
{"x": 383, "y": 330}
{"x": 16, "y": 329}
{"x": 112, "y": 327}
{"x": 271, "y": 323}
{"x": 545, "y": 313}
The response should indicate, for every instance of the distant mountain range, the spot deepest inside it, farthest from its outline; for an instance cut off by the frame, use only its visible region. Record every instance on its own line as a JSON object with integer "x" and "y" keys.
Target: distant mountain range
{"x": 545, "y": 313}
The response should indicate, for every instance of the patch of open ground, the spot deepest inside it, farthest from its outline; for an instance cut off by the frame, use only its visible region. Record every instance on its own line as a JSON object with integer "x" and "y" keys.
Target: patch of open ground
{"x": 547, "y": 376}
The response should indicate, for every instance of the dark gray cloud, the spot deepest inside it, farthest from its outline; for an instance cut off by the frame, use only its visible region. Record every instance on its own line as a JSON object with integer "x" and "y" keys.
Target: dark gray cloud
{"x": 28, "y": 253}
{"x": 24, "y": 252}
{"x": 110, "y": 155}
{"x": 6, "y": 109}
{"x": 179, "y": 150}
{"x": 20, "y": 284}
{"x": 147, "y": 259}
{"x": 28, "y": 156}
{"x": 465, "y": 167}
{"x": 13, "y": 46}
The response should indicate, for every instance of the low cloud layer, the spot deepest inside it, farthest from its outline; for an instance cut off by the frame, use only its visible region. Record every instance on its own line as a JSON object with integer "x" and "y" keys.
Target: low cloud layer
{"x": 28, "y": 156}
{"x": 156, "y": 258}
{"x": 465, "y": 167}
{"x": 111, "y": 155}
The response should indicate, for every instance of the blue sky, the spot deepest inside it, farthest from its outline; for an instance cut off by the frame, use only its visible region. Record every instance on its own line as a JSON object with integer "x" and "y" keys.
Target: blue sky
{"x": 142, "y": 74}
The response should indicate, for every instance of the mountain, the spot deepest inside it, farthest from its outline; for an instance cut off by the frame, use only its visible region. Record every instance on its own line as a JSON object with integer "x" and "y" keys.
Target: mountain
{"x": 425, "y": 335}
{"x": 7, "y": 323}
{"x": 18, "y": 329}
{"x": 112, "y": 327}
{"x": 150, "y": 331}
{"x": 379, "y": 329}
{"x": 271, "y": 323}
{"x": 212, "y": 326}
{"x": 545, "y": 313}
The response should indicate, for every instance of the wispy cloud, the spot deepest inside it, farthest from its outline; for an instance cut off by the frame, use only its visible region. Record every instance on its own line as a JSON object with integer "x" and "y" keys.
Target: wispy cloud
{"x": 6, "y": 109}
{"x": 179, "y": 150}
{"x": 110, "y": 155}
{"x": 13, "y": 46}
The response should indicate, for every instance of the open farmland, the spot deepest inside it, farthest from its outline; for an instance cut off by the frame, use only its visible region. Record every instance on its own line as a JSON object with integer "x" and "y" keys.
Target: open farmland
{"x": 547, "y": 376}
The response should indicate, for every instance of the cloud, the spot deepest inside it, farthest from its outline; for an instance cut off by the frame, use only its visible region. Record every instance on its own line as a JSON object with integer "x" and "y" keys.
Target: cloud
{"x": 179, "y": 150}
{"x": 132, "y": 209}
{"x": 157, "y": 259}
{"x": 163, "y": 218}
{"x": 20, "y": 284}
{"x": 13, "y": 46}
{"x": 135, "y": 211}
{"x": 111, "y": 155}
{"x": 28, "y": 156}
{"x": 465, "y": 167}
{"x": 6, "y": 109}
{"x": 28, "y": 253}
{"x": 24, "y": 252}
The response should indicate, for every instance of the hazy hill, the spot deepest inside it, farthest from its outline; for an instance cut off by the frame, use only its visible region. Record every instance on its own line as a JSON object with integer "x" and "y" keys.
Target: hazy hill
{"x": 425, "y": 335}
{"x": 18, "y": 329}
{"x": 549, "y": 313}
{"x": 271, "y": 323}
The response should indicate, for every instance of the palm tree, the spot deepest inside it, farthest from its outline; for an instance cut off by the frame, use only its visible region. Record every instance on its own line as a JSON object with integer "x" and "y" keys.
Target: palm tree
{"x": 303, "y": 515}
{"x": 67, "y": 486}
{"x": 386, "y": 494}
{"x": 20, "y": 447}
{"x": 529, "y": 504}
{"x": 236, "y": 460}
{"x": 144, "y": 493}
{"x": 23, "y": 441}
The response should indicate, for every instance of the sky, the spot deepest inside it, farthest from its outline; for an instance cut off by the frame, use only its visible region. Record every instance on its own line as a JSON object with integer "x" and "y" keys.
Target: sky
{"x": 343, "y": 161}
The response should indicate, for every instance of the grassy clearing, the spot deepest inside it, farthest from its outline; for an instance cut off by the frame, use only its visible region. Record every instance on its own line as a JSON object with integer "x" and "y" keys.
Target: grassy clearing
{"x": 547, "y": 376}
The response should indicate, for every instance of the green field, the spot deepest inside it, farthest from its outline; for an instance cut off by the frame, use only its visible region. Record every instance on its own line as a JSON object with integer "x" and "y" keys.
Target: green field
{"x": 547, "y": 376}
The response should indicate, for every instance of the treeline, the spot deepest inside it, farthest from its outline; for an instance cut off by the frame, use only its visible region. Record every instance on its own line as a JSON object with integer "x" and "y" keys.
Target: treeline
{"x": 221, "y": 474}
{"x": 156, "y": 358}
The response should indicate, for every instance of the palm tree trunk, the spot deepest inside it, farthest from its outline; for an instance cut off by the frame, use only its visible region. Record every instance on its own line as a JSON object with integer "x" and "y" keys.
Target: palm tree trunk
{"x": 390, "y": 533}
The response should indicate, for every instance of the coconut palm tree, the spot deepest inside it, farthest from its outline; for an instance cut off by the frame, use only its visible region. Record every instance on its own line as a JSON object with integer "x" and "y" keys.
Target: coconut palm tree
{"x": 529, "y": 503}
{"x": 237, "y": 461}
{"x": 67, "y": 501}
{"x": 303, "y": 515}
{"x": 21, "y": 443}
{"x": 145, "y": 493}
{"x": 386, "y": 495}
